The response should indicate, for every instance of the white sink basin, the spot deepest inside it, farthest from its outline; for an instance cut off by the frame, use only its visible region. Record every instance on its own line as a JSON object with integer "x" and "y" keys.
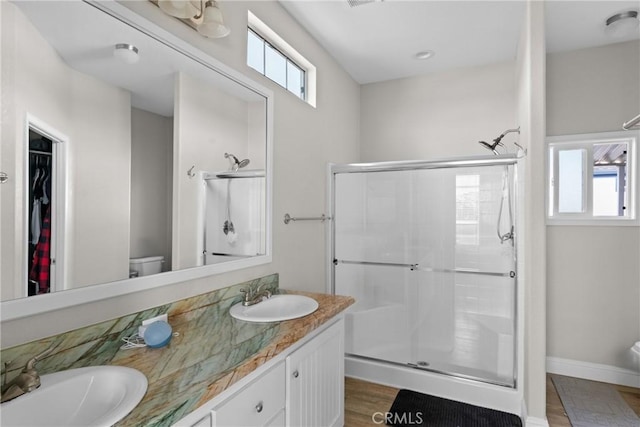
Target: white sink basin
{"x": 92, "y": 396}
{"x": 275, "y": 309}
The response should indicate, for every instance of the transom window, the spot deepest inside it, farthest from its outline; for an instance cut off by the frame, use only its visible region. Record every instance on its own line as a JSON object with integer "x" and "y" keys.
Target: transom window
{"x": 263, "y": 57}
{"x": 591, "y": 178}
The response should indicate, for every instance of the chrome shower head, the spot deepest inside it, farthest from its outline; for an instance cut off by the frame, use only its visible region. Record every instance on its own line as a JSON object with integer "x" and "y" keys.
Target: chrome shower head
{"x": 235, "y": 163}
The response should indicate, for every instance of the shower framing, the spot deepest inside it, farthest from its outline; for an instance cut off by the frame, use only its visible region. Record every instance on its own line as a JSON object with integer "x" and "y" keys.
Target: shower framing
{"x": 436, "y": 289}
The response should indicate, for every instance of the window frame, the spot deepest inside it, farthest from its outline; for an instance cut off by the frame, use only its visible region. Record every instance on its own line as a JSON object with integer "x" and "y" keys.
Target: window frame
{"x": 557, "y": 144}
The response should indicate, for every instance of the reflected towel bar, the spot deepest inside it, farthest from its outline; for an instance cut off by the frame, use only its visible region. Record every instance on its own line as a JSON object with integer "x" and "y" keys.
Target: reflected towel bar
{"x": 323, "y": 217}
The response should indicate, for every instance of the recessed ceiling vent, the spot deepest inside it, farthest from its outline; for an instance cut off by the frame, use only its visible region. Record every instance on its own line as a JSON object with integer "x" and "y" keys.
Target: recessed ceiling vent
{"x": 354, "y": 3}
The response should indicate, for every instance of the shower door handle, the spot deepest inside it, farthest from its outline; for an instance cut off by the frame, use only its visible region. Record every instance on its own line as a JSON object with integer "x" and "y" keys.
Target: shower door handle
{"x": 3, "y": 177}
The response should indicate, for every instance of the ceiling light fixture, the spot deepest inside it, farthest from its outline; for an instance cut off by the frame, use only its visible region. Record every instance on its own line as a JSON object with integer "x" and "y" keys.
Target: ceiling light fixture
{"x": 203, "y": 15}
{"x": 623, "y": 22}
{"x": 426, "y": 54}
{"x": 126, "y": 52}
{"x": 183, "y": 9}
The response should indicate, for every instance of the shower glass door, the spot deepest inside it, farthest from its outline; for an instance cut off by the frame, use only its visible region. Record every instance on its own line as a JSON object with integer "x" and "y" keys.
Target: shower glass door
{"x": 429, "y": 256}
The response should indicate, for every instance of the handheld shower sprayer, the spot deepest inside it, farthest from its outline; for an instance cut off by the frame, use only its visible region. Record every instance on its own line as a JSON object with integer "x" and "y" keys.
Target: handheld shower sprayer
{"x": 498, "y": 141}
{"x": 235, "y": 163}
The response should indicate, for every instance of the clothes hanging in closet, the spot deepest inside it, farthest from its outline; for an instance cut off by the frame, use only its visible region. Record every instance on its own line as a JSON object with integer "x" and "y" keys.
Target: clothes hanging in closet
{"x": 39, "y": 221}
{"x": 41, "y": 268}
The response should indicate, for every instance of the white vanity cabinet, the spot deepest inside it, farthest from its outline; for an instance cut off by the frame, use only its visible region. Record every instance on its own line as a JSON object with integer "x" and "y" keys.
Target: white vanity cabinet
{"x": 315, "y": 381}
{"x": 301, "y": 387}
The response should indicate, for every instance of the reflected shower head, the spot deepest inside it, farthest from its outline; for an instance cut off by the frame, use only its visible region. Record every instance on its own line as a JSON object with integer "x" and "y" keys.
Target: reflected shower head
{"x": 497, "y": 141}
{"x": 491, "y": 147}
{"x": 236, "y": 164}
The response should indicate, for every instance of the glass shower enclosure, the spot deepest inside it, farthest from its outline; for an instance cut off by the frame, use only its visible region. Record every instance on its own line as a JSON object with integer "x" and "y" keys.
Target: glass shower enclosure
{"x": 427, "y": 249}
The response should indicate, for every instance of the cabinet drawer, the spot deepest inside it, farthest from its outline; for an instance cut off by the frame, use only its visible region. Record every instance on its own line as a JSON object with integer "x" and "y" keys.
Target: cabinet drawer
{"x": 254, "y": 405}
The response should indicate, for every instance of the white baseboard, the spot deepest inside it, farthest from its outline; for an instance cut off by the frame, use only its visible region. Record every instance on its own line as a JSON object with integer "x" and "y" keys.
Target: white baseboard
{"x": 593, "y": 371}
{"x": 536, "y": 422}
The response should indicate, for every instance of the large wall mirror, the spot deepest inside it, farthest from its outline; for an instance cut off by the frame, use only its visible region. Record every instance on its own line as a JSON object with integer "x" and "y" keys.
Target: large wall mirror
{"x": 133, "y": 160}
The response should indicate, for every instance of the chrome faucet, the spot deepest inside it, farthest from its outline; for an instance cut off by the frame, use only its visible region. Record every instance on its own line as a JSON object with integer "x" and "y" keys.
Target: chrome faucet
{"x": 26, "y": 381}
{"x": 252, "y": 296}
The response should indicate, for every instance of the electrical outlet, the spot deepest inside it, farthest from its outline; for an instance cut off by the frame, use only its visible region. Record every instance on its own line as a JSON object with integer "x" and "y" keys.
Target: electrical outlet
{"x": 145, "y": 323}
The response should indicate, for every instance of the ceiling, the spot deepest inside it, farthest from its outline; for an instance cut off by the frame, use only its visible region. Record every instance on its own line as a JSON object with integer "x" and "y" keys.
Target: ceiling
{"x": 377, "y": 40}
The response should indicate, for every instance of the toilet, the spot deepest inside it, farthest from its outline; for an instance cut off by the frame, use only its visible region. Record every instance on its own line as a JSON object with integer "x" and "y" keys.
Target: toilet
{"x": 145, "y": 266}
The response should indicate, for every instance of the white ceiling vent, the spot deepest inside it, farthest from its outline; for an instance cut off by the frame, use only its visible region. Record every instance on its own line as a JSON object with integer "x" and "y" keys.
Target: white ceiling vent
{"x": 354, "y": 3}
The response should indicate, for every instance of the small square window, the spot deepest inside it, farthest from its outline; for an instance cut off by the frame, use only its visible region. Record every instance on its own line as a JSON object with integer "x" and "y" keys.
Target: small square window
{"x": 590, "y": 178}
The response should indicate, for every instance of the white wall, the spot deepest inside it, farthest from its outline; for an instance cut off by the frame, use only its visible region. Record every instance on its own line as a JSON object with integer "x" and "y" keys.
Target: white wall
{"x": 42, "y": 85}
{"x": 531, "y": 243}
{"x": 151, "y": 184}
{"x": 305, "y": 139}
{"x": 437, "y": 115}
{"x": 593, "y": 272}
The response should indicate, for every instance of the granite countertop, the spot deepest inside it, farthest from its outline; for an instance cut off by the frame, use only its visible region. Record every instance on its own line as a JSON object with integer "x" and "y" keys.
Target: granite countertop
{"x": 212, "y": 352}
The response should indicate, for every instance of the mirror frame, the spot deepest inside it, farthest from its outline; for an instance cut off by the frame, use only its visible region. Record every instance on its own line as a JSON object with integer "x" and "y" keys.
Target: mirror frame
{"x": 29, "y": 306}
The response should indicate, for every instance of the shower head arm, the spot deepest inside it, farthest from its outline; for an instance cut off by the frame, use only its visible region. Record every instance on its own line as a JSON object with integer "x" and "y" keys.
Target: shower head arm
{"x": 503, "y": 134}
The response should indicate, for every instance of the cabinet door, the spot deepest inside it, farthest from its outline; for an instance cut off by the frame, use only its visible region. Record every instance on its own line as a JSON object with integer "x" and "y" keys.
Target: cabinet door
{"x": 315, "y": 381}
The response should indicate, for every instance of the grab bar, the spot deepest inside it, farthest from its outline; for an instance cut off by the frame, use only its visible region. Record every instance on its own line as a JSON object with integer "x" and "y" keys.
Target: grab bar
{"x": 416, "y": 267}
{"x": 323, "y": 217}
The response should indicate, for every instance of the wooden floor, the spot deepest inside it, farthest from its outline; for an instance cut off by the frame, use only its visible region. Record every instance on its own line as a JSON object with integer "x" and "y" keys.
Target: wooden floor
{"x": 363, "y": 399}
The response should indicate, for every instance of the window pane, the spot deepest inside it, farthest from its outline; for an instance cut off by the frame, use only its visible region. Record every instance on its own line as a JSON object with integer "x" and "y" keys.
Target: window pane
{"x": 570, "y": 177}
{"x": 295, "y": 79}
{"x": 605, "y": 193}
{"x": 255, "y": 52}
{"x": 275, "y": 66}
{"x": 609, "y": 179}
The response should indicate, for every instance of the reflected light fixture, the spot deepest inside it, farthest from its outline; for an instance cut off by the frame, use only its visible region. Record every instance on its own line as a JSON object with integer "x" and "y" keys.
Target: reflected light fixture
{"x": 203, "y": 15}
{"x": 126, "y": 52}
{"x": 623, "y": 23}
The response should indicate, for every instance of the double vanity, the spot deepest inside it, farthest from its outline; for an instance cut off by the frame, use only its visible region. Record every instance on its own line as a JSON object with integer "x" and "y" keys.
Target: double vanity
{"x": 218, "y": 370}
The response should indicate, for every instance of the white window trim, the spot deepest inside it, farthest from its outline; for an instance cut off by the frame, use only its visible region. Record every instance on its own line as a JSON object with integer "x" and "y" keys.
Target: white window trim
{"x": 582, "y": 219}
{"x": 278, "y": 42}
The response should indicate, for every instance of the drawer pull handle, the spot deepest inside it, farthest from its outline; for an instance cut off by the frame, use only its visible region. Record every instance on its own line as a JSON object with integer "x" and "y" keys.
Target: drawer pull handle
{"x": 295, "y": 374}
{"x": 259, "y": 407}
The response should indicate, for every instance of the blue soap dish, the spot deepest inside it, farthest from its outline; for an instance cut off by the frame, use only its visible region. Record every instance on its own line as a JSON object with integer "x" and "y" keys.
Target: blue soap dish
{"x": 158, "y": 334}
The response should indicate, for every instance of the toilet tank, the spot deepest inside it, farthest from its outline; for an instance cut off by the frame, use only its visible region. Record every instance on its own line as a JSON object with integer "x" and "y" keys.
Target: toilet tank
{"x": 145, "y": 266}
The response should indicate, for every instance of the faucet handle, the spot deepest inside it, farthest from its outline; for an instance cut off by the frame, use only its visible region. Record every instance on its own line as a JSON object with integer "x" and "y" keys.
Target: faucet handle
{"x": 35, "y": 359}
{"x": 6, "y": 371}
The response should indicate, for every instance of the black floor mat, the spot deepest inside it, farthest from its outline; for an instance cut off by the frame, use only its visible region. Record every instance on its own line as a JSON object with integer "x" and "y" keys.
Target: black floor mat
{"x": 415, "y": 409}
